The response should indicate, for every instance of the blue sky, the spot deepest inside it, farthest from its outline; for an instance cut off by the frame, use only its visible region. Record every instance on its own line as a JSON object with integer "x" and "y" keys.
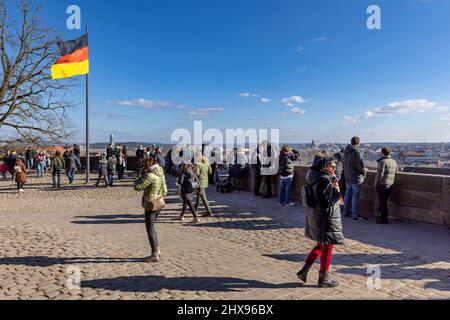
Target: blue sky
{"x": 309, "y": 68}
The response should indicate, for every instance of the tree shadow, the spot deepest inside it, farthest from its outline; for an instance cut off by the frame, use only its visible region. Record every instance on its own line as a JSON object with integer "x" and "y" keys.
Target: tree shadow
{"x": 250, "y": 224}
{"x": 164, "y": 218}
{"x": 100, "y": 222}
{"x": 111, "y": 217}
{"x": 157, "y": 283}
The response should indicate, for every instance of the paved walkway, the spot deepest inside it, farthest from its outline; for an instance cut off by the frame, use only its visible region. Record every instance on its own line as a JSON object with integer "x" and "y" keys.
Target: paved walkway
{"x": 251, "y": 249}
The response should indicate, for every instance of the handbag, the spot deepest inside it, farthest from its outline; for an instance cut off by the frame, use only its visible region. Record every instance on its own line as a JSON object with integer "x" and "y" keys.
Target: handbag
{"x": 157, "y": 204}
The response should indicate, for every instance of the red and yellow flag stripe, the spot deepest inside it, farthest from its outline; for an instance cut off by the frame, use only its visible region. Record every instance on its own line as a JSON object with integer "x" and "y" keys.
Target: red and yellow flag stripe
{"x": 74, "y": 60}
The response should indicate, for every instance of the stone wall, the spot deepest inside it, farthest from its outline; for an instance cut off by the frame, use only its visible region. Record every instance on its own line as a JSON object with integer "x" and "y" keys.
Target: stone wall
{"x": 418, "y": 198}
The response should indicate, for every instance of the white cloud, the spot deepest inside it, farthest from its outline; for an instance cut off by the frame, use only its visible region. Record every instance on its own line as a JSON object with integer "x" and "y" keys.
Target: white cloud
{"x": 319, "y": 39}
{"x": 248, "y": 95}
{"x": 182, "y": 106}
{"x": 146, "y": 104}
{"x": 292, "y": 103}
{"x": 266, "y": 100}
{"x": 413, "y": 106}
{"x": 293, "y": 100}
{"x": 298, "y": 110}
{"x": 204, "y": 113}
{"x": 302, "y": 48}
{"x": 302, "y": 68}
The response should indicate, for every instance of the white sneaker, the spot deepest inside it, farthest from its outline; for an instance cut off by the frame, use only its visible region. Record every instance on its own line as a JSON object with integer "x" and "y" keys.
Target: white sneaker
{"x": 290, "y": 205}
{"x": 196, "y": 220}
{"x": 21, "y": 191}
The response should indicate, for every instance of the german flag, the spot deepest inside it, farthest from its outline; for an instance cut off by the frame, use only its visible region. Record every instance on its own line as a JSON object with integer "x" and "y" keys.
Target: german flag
{"x": 75, "y": 58}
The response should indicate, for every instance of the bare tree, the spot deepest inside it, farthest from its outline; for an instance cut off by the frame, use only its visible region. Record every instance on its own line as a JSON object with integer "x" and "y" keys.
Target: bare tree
{"x": 31, "y": 103}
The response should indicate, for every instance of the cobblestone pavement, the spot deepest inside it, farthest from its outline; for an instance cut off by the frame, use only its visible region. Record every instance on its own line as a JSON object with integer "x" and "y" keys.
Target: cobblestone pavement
{"x": 251, "y": 249}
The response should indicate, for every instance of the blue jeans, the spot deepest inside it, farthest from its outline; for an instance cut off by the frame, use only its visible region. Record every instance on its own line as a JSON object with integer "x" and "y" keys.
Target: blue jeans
{"x": 111, "y": 180}
{"x": 78, "y": 162}
{"x": 29, "y": 163}
{"x": 41, "y": 168}
{"x": 56, "y": 178}
{"x": 70, "y": 174}
{"x": 353, "y": 195}
{"x": 285, "y": 191}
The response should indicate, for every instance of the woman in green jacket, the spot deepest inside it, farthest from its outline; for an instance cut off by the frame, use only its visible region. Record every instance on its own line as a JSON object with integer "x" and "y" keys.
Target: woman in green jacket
{"x": 204, "y": 171}
{"x": 153, "y": 182}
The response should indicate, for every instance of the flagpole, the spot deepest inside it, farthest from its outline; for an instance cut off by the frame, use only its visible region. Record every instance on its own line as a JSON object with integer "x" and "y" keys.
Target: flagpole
{"x": 88, "y": 156}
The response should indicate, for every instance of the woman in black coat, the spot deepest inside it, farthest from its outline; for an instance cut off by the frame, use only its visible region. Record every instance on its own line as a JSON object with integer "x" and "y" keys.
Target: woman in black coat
{"x": 188, "y": 182}
{"x": 324, "y": 223}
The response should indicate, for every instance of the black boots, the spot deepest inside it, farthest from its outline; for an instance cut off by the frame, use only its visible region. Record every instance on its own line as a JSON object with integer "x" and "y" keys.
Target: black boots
{"x": 324, "y": 279}
{"x": 326, "y": 282}
{"x": 303, "y": 274}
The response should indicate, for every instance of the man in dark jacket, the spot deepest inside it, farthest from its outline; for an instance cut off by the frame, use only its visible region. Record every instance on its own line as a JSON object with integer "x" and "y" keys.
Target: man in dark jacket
{"x": 140, "y": 154}
{"x": 160, "y": 157}
{"x": 11, "y": 162}
{"x": 355, "y": 173}
{"x": 168, "y": 162}
{"x": 323, "y": 224}
{"x": 287, "y": 158}
{"x": 57, "y": 167}
{"x": 384, "y": 181}
{"x": 29, "y": 158}
{"x": 71, "y": 164}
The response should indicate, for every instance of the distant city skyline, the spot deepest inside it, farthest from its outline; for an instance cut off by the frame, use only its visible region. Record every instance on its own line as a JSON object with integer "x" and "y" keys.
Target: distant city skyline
{"x": 311, "y": 69}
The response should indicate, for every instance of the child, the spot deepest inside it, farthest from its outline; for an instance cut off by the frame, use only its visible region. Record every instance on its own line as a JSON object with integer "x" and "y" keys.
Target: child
{"x": 20, "y": 173}
{"x": 103, "y": 170}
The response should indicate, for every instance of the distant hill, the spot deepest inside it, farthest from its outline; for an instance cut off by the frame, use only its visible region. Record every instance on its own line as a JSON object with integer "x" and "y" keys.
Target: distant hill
{"x": 130, "y": 145}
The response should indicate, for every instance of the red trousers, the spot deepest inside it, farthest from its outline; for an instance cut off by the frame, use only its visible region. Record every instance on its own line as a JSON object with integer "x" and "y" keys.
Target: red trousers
{"x": 324, "y": 251}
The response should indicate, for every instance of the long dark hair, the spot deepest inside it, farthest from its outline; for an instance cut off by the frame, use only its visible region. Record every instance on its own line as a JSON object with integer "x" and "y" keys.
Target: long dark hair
{"x": 186, "y": 167}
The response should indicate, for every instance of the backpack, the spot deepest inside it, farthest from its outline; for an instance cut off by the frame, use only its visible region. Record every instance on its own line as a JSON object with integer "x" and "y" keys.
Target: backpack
{"x": 308, "y": 198}
{"x": 188, "y": 185}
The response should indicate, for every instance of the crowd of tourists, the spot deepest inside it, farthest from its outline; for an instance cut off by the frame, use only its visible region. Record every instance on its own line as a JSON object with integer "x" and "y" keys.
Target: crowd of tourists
{"x": 333, "y": 185}
{"x": 17, "y": 165}
{"x": 333, "y": 190}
